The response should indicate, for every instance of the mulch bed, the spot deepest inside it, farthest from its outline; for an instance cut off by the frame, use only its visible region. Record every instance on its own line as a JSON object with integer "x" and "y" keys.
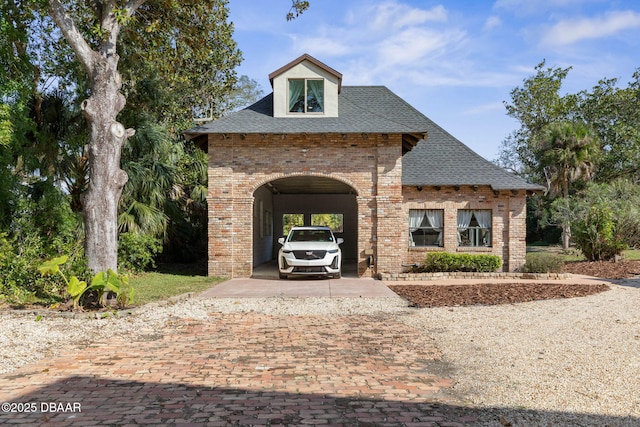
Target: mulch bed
{"x": 490, "y": 293}
{"x": 511, "y": 293}
{"x": 606, "y": 269}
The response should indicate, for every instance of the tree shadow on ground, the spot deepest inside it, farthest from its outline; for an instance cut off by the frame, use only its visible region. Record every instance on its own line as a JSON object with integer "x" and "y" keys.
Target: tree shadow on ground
{"x": 81, "y": 401}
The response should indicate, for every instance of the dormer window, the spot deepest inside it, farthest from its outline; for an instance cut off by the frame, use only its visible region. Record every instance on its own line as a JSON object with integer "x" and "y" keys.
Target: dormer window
{"x": 306, "y": 95}
{"x": 305, "y": 88}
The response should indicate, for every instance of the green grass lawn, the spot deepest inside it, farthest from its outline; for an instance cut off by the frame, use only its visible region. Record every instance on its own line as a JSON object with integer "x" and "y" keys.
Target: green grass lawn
{"x": 159, "y": 286}
{"x": 574, "y": 254}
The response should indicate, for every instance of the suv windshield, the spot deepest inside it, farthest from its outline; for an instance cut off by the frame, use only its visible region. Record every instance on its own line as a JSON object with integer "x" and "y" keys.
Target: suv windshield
{"x": 311, "y": 236}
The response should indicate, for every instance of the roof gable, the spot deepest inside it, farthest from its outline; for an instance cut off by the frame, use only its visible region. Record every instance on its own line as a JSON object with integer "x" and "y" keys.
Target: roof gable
{"x": 311, "y": 59}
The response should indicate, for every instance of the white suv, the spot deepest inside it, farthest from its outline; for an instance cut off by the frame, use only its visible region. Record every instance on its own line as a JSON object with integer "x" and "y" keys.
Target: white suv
{"x": 310, "y": 251}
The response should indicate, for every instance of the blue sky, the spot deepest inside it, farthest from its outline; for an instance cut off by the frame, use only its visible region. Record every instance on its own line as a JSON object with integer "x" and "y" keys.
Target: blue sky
{"x": 454, "y": 61}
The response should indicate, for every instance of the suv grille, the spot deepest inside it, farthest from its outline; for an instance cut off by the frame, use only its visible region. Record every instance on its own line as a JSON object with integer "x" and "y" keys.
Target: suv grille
{"x": 309, "y": 255}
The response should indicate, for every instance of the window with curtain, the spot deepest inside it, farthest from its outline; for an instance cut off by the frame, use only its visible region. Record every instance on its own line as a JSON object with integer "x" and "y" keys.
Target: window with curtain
{"x": 474, "y": 227}
{"x": 306, "y": 96}
{"x": 425, "y": 227}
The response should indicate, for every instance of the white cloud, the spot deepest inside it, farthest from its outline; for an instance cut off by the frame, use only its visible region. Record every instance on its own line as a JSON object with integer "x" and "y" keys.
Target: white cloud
{"x": 492, "y": 22}
{"x": 391, "y": 41}
{"x": 572, "y": 31}
{"x": 415, "y": 45}
{"x": 394, "y": 15}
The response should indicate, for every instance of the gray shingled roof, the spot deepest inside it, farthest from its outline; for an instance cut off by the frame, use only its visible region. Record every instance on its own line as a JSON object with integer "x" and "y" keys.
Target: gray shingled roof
{"x": 439, "y": 160}
{"x": 442, "y": 160}
{"x": 362, "y": 109}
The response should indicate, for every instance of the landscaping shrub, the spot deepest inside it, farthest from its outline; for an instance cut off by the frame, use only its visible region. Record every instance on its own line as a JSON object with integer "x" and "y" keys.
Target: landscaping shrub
{"x": 137, "y": 251}
{"x": 19, "y": 279}
{"x": 448, "y": 262}
{"x": 543, "y": 263}
{"x": 596, "y": 234}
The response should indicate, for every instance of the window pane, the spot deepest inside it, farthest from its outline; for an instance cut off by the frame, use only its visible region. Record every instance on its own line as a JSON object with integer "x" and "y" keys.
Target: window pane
{"x": 296, "y": 96}
{"x": 291, "y": 220}
{"x": 334, "y": 221}
{"x": 474, "y": 228}
{"x": 315, "y": 96}
{"x": 427, "y": 237}
{"x": 426, "y": 227}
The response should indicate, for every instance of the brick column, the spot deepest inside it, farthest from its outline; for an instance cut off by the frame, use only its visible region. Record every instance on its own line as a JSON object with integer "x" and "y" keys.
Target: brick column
{"x": 517, "y": 231}
{"x": 366, "y": 230}
{"x": 220, "y": 201}
{"x": 242, "y": 237}
{"x": 392, "y": 238}
{"x": 390, "y": 221}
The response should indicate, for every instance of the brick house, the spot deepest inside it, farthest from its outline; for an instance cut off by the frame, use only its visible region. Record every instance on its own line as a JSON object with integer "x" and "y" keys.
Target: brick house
{"x": 395, "y": 184}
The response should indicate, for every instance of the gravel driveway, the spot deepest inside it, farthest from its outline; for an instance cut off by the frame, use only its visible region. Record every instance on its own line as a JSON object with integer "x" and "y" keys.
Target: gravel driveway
{"x": 573, "y": 362}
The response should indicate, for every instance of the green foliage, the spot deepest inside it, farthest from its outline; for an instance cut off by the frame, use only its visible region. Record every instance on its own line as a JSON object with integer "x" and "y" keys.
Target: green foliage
{"x": 19, "y": 260}
{"x": 606, "y": 219}
{"x": 543, "y": 263}
{"x": 297, "y": 8}
{"x": 6, "y": 126}
{"x": 595, "y": 234}
{"x": 448, "y": 262}
{"x": 291, "y": 220}
{"x": 136, "y": 251}
{"x": 101, "y": 284}
{"x": 177, "y": 59}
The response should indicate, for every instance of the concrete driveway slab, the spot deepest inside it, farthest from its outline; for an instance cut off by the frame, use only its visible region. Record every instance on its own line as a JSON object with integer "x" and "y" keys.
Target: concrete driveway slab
{"x": 328, "y": 288}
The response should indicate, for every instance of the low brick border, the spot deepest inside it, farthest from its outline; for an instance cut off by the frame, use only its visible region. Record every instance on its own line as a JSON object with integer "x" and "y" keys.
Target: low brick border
{"x": 467, "y": 275}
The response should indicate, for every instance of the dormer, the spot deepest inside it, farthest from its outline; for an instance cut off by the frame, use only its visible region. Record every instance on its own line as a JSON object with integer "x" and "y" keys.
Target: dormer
{"x": 305, "y": 87}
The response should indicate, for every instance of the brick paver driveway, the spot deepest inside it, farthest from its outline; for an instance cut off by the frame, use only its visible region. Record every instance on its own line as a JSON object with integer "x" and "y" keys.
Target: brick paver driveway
{"x": 242, "y": 369}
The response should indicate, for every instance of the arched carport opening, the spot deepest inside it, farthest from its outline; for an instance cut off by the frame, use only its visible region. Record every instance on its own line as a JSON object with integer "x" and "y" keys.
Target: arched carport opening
{"x": 303, "y": 200}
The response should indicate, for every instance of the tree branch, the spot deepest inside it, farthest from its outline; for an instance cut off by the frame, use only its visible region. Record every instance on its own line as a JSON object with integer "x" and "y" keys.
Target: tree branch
{"x": 85, "y": 54}
{"x": 132, "y": 6}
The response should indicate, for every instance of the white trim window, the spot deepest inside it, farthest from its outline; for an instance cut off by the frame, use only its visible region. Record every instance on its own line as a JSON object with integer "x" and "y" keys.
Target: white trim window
{"x": 306, "y": 96}
{"x": 474, "y": 227}
{"x": 425, "y": 227}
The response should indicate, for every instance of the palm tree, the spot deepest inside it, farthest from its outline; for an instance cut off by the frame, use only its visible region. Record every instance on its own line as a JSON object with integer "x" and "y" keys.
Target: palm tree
{"x": 568, "y": 153}
{"x": 152, "y": 176}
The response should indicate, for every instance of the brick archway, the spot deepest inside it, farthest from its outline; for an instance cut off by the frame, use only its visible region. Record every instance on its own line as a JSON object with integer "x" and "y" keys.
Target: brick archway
{"x": 306, "y": 200}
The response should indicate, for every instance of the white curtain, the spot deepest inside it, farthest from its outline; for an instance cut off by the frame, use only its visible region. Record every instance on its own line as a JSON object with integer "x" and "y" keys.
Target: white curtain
{"x": 316, "y": 89}
{"x": 436, "y": 220}
{"x": 484, "y": 221}
{"x": 296, "y": 93}
{"x": 484, "y": 218}
{"x": 464, "y": 219}
{"x": 416, "y": 216}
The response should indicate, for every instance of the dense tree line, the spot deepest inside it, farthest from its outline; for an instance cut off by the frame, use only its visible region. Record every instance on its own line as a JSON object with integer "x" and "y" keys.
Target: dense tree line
{"x": 585, "y": 149}
{"x": 86, "y": 84}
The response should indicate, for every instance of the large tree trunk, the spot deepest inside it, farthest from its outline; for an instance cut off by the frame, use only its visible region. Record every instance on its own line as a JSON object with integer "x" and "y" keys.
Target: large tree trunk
{"x": 106, "y": 178}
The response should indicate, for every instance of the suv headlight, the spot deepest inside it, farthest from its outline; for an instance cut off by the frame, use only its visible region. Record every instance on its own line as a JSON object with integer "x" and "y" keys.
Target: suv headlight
{"x": 333, "y": 251}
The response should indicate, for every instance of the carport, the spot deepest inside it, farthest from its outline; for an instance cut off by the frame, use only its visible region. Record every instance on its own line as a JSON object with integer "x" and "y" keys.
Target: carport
{"x": 303, "y": 200}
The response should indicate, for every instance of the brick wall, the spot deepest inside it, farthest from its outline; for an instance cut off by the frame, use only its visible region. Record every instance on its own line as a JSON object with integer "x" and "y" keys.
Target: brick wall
{"x": 372, "y": 165}
{"x": 240, "y": 164}
{"x": 508, "y": 220}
